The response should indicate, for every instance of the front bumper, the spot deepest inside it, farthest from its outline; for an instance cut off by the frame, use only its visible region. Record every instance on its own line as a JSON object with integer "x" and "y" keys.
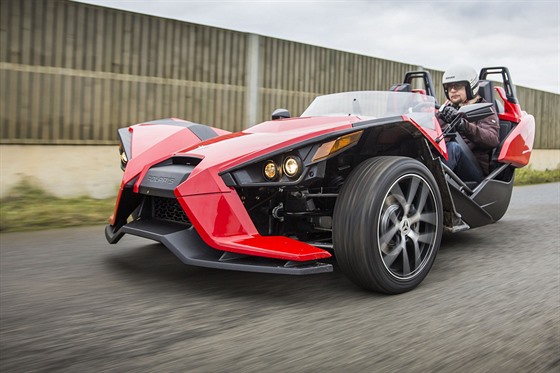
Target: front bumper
{"x": 204, "y": 222}
{"x": 187, "y": 245}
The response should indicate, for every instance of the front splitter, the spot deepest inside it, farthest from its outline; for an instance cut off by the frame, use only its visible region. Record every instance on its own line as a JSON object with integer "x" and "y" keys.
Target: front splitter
{"x": 187, "y": 245}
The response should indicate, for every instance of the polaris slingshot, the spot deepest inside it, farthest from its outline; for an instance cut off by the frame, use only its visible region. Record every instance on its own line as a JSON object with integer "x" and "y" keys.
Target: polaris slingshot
{"x": 358, "y": 177}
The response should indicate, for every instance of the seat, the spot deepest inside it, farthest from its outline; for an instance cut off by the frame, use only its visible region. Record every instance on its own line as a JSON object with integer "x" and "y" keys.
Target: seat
{"x": 486, "y": 91}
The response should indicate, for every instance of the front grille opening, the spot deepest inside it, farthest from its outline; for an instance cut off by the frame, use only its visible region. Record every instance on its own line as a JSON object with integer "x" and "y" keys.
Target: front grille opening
{"x": 169, "y": 209}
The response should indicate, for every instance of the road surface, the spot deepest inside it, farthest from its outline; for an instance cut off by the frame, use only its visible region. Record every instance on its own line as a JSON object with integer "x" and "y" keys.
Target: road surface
{"x": 71, "y": 302}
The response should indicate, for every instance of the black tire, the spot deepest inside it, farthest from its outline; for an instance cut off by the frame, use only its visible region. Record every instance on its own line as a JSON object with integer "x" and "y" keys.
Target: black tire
{"x": 387, "y": 224}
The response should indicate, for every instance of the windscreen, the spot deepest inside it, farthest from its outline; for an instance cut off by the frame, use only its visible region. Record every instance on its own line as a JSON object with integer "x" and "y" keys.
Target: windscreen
{"x": 375, "y": 104}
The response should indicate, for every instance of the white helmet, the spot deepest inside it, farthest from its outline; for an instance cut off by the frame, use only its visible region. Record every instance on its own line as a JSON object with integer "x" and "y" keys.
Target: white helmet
{"x": 462, "y": 74}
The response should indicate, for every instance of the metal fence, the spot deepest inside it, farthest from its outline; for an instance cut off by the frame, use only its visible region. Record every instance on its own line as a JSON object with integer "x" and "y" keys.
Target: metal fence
{"x": 72, "y": 73}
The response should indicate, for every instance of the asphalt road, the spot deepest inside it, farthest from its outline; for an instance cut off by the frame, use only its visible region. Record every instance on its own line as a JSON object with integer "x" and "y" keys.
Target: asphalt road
{"x": 71, "y": 302}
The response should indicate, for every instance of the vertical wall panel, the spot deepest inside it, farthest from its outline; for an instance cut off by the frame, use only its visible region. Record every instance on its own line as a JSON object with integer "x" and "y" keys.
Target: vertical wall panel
{"x": 35, "y": 89}
{"x": 26, "y": 31}
{"x": 11, "y": 97}
{"x": 5, "y": 20}
{"x": 44, "y": 107}
{"x": 14, "y": 29}
{"x": 5, "y": 91}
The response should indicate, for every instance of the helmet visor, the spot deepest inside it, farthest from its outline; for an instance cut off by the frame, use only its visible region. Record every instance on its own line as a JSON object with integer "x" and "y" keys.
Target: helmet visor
{"x": 455, "y": 86}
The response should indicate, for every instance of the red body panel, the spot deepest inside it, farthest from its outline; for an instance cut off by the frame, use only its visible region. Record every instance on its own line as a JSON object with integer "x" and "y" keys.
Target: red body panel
{"x": 246, "y": 145}
{"x": 512, "y": 112}
{"x": 214, "y": 209}
{"x": 152, "y": 144}
{"x": 223, "y": 223}
{"x": 146, "y": 135}
{"x": 518, "y": 145}
{"x": 432, "y": 135}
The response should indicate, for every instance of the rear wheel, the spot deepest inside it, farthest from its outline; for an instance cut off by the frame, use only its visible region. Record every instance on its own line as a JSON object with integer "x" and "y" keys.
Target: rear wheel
{"x": 387, "y": 224}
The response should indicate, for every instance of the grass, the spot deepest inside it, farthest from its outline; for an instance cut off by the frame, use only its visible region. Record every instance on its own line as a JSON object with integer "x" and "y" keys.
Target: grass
{"x": 28, "y": 208}
{"x": 526, "y": 176}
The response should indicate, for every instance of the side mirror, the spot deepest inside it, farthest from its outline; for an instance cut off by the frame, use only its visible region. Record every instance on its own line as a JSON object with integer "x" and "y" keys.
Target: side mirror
{"x": 280, "y": 114}
{"x": 475, "y": 112}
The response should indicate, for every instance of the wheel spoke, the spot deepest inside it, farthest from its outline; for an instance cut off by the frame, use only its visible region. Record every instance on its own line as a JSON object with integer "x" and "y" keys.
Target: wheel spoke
{"x": 393, "y": 217}
{"x": 422, "y": 199}
{"x": 398, "y": 194}
{"x": 414, "y": 237}
{"x": 387, "y": 237}
{"x": 426, "y": 237}
{"x": 417, "y": 255}
{"x": 427, "y": 217}
{"x": 406, "y": 262}
{"x": 412, "y": 191}
{"x": 390, "y": 258}
{"x": 421, "y": 237}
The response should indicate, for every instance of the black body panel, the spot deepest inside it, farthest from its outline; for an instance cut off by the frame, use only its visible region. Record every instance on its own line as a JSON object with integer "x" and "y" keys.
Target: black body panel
{"x": 187, "y": 245}
{"x": 494, "y": 196}
{"x": 161, "y": 181}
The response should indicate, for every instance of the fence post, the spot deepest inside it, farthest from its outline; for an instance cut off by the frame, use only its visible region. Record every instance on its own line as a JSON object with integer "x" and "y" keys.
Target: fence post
{"x": 252, "y": 79}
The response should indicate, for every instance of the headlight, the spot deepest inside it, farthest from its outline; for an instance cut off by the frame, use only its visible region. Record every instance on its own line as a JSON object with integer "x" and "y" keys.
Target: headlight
{"x": 270, "y": 170}
{"x": 291, "y": 166}
{"x": 125, "y": 137}
{"x": 124, "y": 158}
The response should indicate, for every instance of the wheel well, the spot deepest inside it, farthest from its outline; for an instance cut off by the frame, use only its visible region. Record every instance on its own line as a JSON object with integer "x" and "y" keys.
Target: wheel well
{"x": 397, "y": 139}
{"x": 394, "y": 139}
{"x": 387, "y": 140}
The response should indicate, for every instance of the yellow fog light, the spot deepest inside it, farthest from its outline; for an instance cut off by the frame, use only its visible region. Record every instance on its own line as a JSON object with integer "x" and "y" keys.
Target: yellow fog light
{"x": 270, "y": 170}
{"x": 291, "y": 166}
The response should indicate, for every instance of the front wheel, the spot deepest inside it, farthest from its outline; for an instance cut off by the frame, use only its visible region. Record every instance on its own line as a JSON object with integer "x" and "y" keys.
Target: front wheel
{"x": 387, "y": 224}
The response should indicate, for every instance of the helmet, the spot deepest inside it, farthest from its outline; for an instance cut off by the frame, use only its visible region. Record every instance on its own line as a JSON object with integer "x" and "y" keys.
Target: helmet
{"x": 462, "y": 74}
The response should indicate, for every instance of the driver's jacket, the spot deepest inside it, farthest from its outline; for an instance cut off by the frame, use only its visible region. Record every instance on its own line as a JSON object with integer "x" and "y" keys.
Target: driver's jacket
{"x": 481, "y": 136}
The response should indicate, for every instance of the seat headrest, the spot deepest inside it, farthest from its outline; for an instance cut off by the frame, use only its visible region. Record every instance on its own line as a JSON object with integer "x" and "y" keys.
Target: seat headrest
{"x": 486, "y": 90}
{"x": 401, "y": 87}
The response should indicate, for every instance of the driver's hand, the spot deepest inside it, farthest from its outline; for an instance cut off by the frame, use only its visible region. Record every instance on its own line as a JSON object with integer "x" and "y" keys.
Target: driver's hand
{"x": 461, "y": 127}
{"x": 448, "y": 114}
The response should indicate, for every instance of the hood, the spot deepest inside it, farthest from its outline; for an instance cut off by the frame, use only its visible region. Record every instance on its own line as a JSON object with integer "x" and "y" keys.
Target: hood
{"x": 223, "y": 152}
{"x": 236, "y": 148}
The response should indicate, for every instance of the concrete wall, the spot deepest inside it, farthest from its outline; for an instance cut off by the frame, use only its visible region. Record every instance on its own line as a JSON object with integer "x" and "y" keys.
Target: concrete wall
{"x": 545, "y": 159}
{"x": 69, "y": 171}
{"x": 64, "y": 171}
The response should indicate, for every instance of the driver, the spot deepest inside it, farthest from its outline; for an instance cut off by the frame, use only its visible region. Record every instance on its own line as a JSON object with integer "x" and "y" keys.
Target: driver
{"x": 460, "y": 84}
